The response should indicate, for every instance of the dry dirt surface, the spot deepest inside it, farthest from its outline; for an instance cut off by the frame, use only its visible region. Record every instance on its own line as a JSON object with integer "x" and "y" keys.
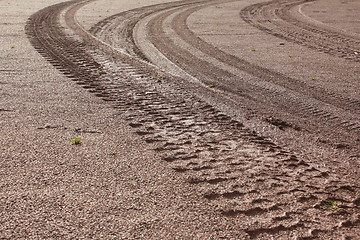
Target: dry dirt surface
{"x": 205, "y": 119}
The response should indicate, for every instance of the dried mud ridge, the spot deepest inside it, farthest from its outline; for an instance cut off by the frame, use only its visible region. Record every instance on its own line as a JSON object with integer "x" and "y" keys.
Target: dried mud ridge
{"x": 325, "y": 109}
{"x": 270, "y": 191}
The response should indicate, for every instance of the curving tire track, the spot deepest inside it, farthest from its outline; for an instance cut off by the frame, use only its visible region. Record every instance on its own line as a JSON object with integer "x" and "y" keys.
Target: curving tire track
{"x": 68, "y": 55}
{"x": 277, "y": 18}
{"x": 251, "y": 90}
{"x": 286, "y": 94}
{"x": 124, "y": 23}
{"x": 247, "y": 176}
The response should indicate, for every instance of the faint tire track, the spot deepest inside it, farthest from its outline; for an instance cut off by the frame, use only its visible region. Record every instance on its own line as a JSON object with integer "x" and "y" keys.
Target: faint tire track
{"x": 277, "y": 18}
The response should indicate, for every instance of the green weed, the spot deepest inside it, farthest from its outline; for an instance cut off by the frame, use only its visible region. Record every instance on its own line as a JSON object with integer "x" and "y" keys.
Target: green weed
{"x": 158, "y": 76}
{"x": 332, "y": 206}
{"x": 76, "y": 141}
{"x": 99, "y": 72}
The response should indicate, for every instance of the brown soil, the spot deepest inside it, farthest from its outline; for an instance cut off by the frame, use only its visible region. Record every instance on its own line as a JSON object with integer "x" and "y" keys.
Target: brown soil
{"x": 191, "y": 88}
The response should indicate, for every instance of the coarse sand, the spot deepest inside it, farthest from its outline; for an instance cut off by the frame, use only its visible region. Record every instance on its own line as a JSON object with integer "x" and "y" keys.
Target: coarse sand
{"x": 112, "y": 186}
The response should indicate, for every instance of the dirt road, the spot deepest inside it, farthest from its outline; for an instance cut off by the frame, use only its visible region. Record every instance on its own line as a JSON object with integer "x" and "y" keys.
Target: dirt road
{"x": 224, "y": 119}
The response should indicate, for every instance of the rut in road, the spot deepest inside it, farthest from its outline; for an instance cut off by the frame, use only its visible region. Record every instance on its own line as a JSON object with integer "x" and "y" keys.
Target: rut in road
{"x": 270, "y": 191}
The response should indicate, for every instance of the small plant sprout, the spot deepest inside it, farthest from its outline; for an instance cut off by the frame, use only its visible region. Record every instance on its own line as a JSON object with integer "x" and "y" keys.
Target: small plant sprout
{"x": 332, "y": 206}
{"x": 12, "y": 46}
{"x": 314, "y": 78}
{"x": 253, "y": 50}
{"x": 158, "y": 76}
{"x": 211, "y": 86}
{"x": 98, "y": 72}
{"x": 76, "y": 141}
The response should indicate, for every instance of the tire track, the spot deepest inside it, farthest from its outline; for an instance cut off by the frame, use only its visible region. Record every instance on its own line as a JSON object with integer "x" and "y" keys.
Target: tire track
{"x": 119, "y": 22}
{"x": 275, "y": 18}
{"x": 124, "y": 23}
{"x": 287, "y": 93}
{"x": 247, "y": 176}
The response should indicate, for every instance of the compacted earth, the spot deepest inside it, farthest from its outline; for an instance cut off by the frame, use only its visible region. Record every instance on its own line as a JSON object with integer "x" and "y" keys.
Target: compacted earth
{"x": 191, "y": 119}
